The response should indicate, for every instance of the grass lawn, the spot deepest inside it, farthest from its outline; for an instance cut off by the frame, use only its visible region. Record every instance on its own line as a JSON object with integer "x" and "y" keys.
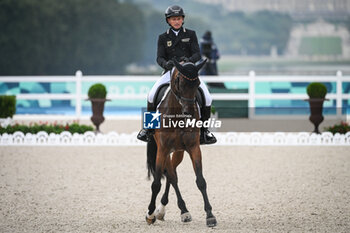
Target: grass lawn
{"x": 329, "y": 45}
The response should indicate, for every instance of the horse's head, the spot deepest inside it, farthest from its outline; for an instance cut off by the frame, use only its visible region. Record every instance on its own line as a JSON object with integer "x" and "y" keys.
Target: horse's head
{"x": 185, "y": 82}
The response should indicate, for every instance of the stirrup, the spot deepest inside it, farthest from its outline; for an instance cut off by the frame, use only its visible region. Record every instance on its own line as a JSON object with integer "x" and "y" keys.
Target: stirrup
{"x": 207, "y": 137}
{"x": 144, "y": 135}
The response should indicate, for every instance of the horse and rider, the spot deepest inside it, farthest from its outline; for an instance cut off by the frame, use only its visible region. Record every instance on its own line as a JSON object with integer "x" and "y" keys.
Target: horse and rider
{"x": 178, "y": 51}
{"x": 178, "y": 44}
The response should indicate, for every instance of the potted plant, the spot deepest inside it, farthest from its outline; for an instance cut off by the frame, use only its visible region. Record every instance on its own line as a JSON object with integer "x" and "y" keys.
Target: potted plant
{"x": 97, "y": 95}
{"x": 316, "y": 93}
{"x": 7, "y": 109}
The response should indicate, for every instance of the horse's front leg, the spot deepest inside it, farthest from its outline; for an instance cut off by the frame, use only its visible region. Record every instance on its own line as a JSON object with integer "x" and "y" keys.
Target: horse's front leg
{"x": 171, "y": 166}
{"x": 196, "y": 157}
{"x": 156, "y": 184}
{"x": 176, "y": 160}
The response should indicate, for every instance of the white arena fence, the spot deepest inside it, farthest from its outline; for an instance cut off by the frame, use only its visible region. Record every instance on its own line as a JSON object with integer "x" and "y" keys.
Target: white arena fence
{"x": 251, "y": 96}
{"x": 224, "y": 139}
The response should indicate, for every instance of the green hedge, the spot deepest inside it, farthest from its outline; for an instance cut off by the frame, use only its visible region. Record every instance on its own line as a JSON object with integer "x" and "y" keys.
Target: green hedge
{"x": 7, "y": 106}
{"x": 52, "y": 128}
{"x": 341, "y": 128}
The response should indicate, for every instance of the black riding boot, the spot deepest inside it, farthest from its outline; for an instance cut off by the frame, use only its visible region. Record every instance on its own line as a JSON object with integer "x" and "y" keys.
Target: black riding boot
{"x": 206, "y": 136}
{"x": 145, "y": 134}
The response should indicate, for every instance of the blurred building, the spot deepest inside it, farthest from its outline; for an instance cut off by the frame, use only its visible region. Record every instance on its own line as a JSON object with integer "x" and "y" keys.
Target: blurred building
{"x": 298, "y": 9}
{"x": 319, "y": 40}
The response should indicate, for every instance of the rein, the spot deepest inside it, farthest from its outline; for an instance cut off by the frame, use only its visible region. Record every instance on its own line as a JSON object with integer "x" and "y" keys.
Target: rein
{"x": 182, "y": 98}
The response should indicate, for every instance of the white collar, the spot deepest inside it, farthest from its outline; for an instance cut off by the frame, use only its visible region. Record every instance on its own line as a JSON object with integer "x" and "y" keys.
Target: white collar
{"x": 176, "y": 32}
{"x": 167, "y": 31}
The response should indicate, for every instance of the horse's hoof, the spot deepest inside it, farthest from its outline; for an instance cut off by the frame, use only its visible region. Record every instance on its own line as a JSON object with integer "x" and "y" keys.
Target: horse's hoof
{"x": 186, "y": 217}
{"x": 150, "y": 220}
{"x": 160, "y": 214}
{"x": 160, "y": 217}
{"x": 211, "y": 222}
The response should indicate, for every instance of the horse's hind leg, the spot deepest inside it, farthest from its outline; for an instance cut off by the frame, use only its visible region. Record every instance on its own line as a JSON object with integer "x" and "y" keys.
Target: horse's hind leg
{"x": 156, "y": 185}
{"x": 196, "y": 158}
{"x": 160, "y": 212}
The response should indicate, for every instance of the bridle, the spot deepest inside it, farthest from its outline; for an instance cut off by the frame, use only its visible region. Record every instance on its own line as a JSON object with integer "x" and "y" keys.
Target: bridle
{"x": 181, "y": 98}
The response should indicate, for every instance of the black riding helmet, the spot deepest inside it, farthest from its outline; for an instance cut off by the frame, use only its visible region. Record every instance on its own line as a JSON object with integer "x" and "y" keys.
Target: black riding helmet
{"x": 174, "y": 11}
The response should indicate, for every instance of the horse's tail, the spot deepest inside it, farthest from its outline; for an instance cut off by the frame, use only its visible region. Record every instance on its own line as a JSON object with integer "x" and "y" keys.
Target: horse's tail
{"x": 151, "y": 157}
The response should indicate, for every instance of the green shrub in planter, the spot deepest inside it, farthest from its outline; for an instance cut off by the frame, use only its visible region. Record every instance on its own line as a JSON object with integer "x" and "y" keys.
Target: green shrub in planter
{"x": 316, "y": 90}
{"x": 97, "y": 91}
{"x": 7, "y": 106}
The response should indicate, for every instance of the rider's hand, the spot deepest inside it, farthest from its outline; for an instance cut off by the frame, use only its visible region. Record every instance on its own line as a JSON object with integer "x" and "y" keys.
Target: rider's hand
{"x": 184, "y": 59}
{"x": 169, "y": 65}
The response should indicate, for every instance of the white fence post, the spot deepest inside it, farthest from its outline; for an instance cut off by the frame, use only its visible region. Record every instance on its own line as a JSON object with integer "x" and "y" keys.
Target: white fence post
{"x": 251, "y": 92}
{"x": 78, "y": 76}
{"x": 339, "y": 101}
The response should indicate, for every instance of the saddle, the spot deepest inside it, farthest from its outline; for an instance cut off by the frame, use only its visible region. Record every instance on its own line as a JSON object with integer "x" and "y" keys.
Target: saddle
{"x": 200, "y": 99}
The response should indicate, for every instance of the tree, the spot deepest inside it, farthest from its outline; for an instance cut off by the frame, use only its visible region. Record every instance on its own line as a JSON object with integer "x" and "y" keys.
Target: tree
{"x": 42, "y": 37}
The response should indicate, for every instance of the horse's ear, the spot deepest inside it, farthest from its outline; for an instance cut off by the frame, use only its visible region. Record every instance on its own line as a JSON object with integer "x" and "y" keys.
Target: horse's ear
{"x": 177, "y": 65}
{"x": 200, "y": 65}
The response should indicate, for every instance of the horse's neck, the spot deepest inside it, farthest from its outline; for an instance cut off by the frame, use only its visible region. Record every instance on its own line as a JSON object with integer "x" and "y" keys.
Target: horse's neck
{"x": 174, "y": 106}
{"x": 173, "y": 103}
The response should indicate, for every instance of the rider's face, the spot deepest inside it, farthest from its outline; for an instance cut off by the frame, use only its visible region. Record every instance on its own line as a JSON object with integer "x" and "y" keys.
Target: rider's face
{"x": 176, "y": 21}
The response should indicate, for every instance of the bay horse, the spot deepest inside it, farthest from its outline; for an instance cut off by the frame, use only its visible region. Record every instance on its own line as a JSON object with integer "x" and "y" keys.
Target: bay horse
{"x": 178, "y": 100}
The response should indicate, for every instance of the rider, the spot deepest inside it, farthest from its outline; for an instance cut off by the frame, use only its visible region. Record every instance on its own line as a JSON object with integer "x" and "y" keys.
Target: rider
{"x": 181, "y": 44}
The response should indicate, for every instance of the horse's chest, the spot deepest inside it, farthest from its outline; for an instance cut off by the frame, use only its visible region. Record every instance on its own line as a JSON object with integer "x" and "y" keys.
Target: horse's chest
{"x": 182, "y": 139}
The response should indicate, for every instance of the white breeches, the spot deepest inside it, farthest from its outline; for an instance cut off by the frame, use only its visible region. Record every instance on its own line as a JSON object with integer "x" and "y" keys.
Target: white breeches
{"x": 166, "y": 79}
